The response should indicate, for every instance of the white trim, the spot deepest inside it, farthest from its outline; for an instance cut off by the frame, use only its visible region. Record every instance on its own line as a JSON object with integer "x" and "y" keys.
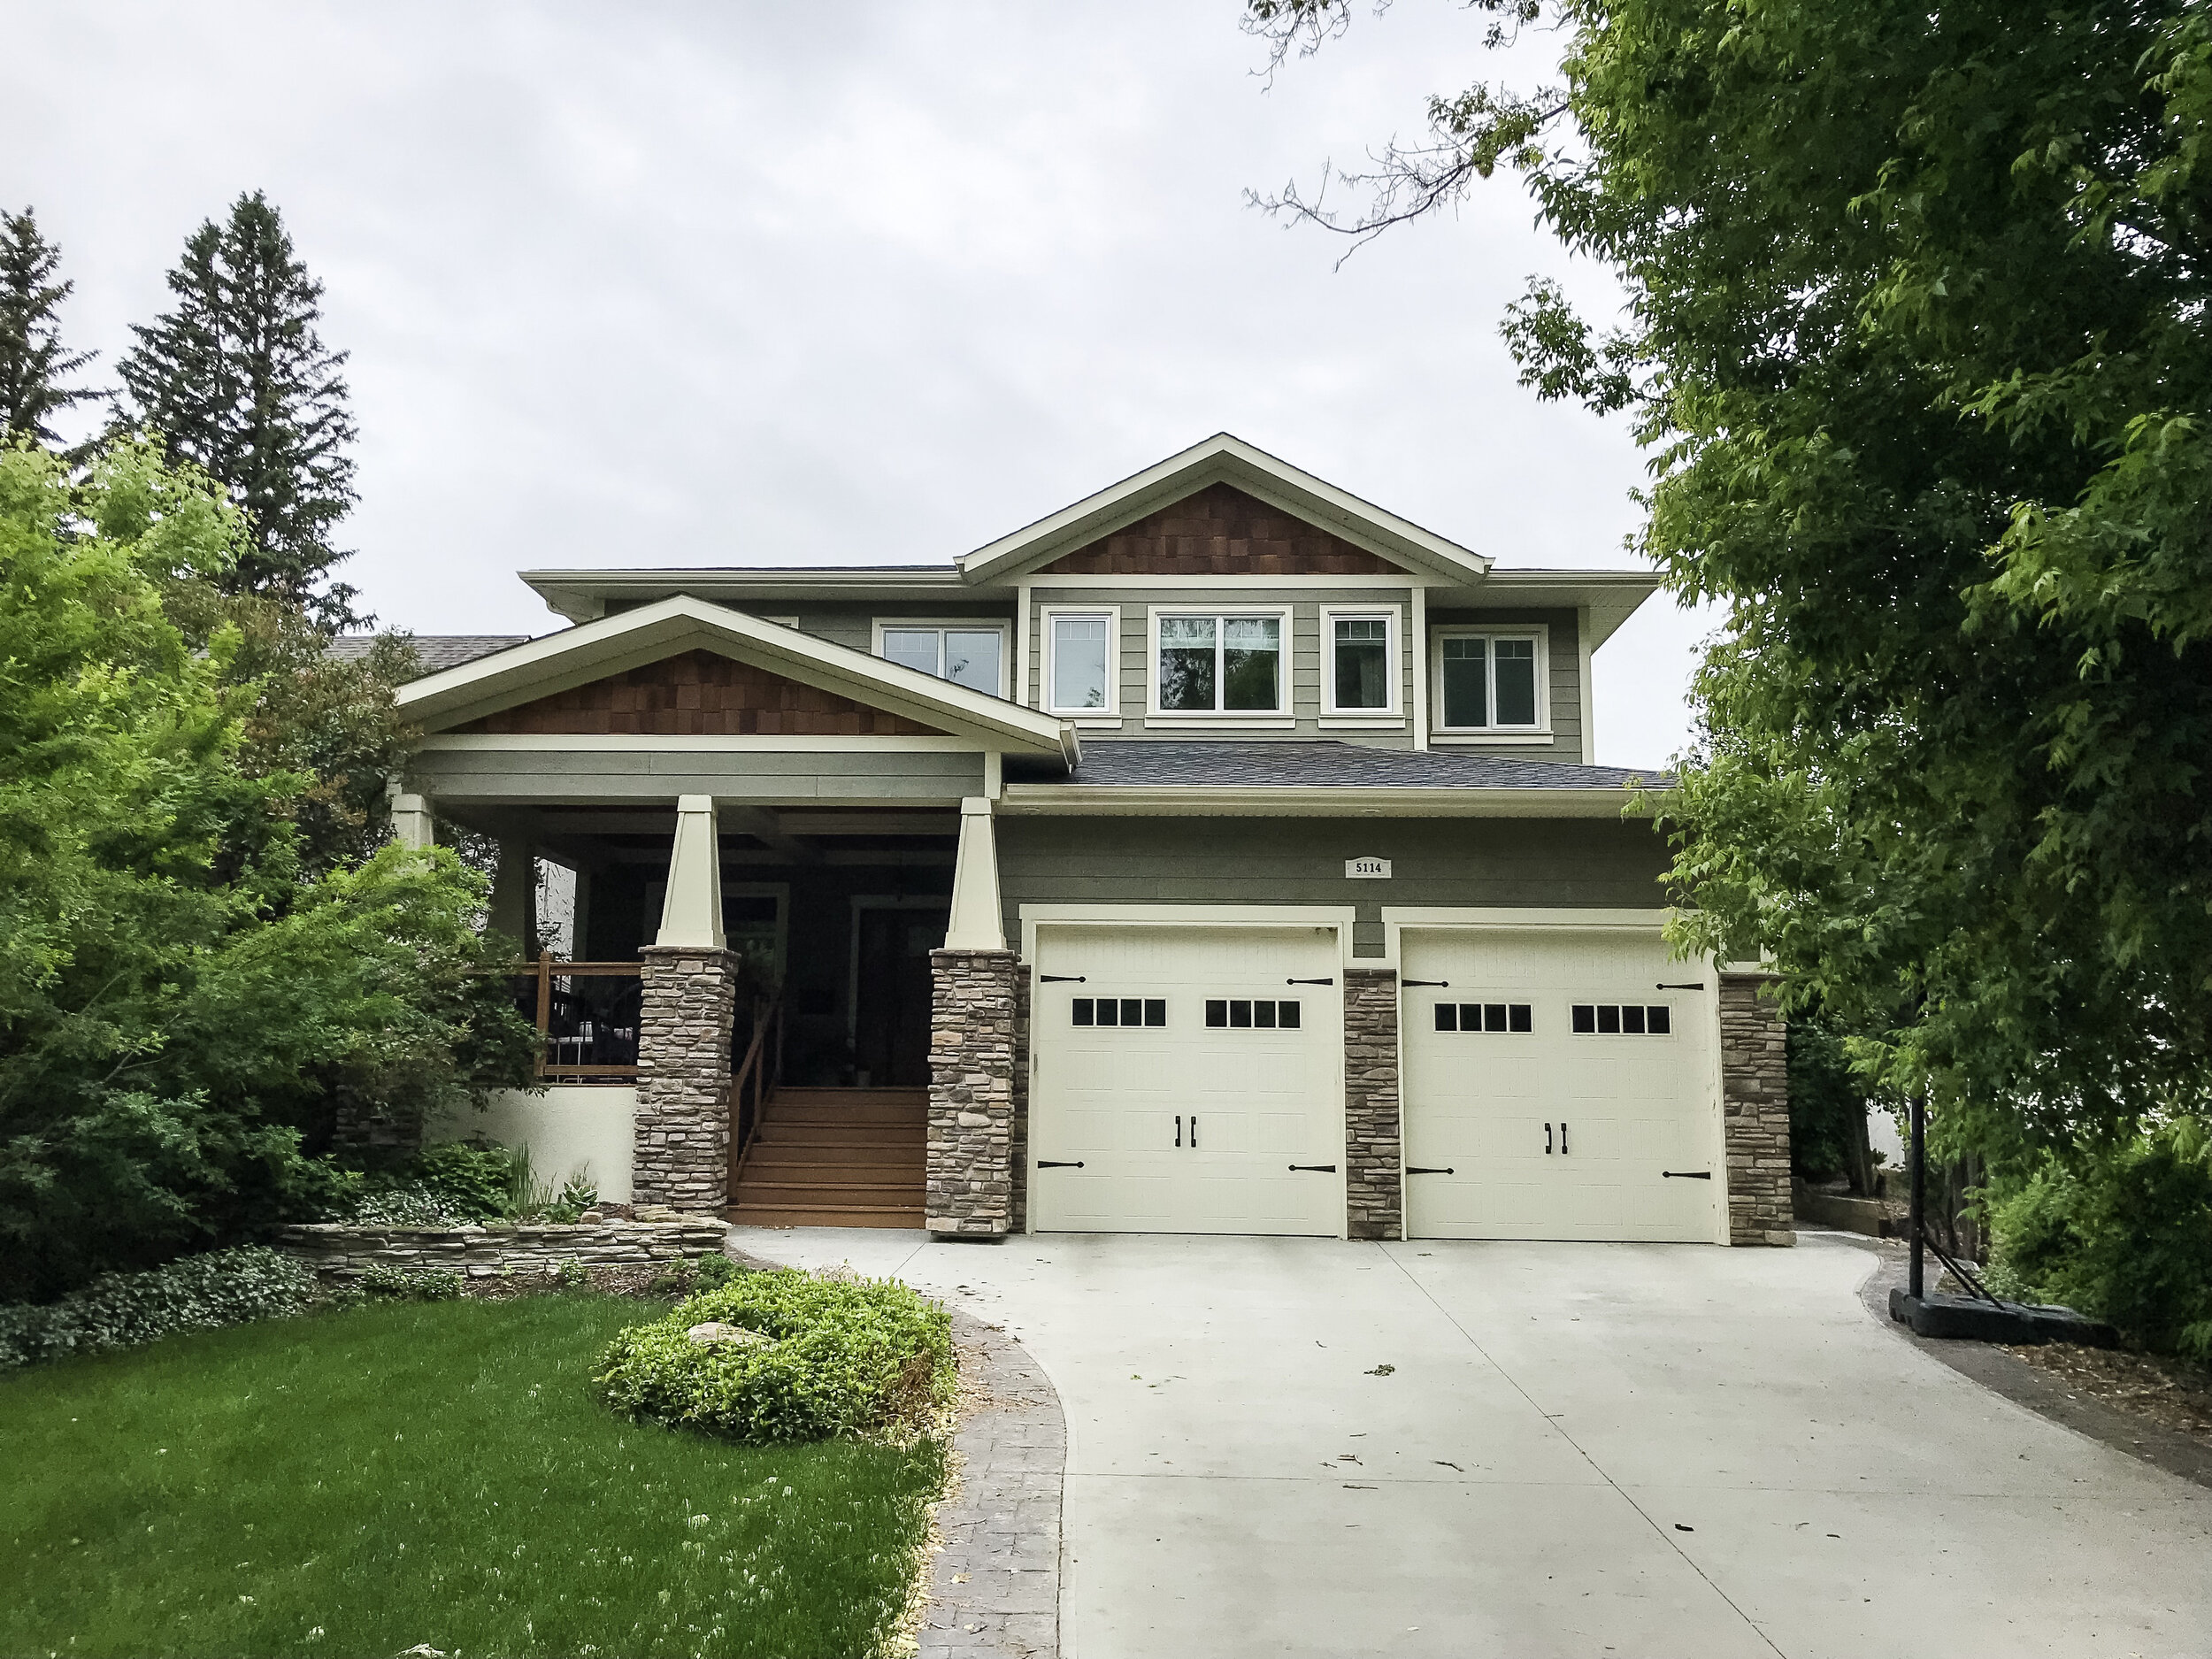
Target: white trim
{"x": 602, "y": 744}
{"x": 1381, "y": 722}
{"x": 1396, "y": 582}
{"x": 1046, "y": 615}
{"x": 1218, "y": 717}
{"x": 994, "y": 774}
{"x": 1021, "y": 624}
{"x": 612, "y": 645}
{"x": 1098, "y": 724}
{"x": 1393, "y": 620}
{"x": 1540, "y": 632}
{"x": 941, "y": 626}
{"x": 1493, "y": 740}
{"x": 1418, "y": 634}
{"x": 1583, "y": 691}
{"x": 1223, "y": 458}
{"x": 1290, "y": 801}
{"x": 1340, "y": 917}
{"x": 1216, "y": 723}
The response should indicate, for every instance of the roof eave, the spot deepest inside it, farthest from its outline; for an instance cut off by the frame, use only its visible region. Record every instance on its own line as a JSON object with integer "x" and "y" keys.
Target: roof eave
{"x": 1312, "y": 801}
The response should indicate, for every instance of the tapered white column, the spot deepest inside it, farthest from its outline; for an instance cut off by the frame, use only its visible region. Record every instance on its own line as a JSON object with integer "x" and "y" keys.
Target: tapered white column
{"x": 977, "y": 921}
{"x": 691, "y": 914}
{"x": 412, "y": 825}
{"x": 514, "y": 908}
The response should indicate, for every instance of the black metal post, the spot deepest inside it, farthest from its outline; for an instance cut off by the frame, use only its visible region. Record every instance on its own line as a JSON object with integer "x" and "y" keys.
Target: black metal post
{"x": 1919, "y": 1191}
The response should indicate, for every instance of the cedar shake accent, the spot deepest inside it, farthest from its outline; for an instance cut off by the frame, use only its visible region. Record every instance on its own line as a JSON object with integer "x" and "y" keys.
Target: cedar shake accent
{"x": 698, "y": 695}
{"x": 1221, "y": 532}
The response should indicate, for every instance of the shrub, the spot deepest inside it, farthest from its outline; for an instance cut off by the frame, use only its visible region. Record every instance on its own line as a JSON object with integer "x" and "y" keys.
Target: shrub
{"x": 2125, "y": 1237}
{"x": 412, "y": 1284}
{"x": 407, "y": 1207}
{"x": 680, "y": 1278}
{"x": 196, "y": 1293}
{"x": 846, "y": 1357}
{"x": 473, "y": 1176}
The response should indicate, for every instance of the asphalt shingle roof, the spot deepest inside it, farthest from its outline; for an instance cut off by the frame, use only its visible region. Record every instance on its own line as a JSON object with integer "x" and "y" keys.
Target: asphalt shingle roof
{"x": 436, "y": 651}
{"x": 1308, "y": 763}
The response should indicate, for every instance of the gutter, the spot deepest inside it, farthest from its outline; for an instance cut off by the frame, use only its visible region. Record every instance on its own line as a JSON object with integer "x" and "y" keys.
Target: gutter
{"x": 1057, "y": 800}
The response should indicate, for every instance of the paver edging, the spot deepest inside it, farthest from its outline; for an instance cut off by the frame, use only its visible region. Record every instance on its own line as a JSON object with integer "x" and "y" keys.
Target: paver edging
{"x": 995, "y": 1580}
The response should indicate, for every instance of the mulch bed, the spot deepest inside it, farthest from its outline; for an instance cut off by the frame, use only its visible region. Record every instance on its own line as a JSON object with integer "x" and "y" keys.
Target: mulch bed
{"x": 2171, "y": 1392}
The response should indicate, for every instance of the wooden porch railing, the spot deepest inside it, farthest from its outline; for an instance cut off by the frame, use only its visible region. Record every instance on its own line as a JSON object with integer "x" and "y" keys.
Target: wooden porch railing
{"x": 584, "y": 1035}
{"x": 754, "y": 1079}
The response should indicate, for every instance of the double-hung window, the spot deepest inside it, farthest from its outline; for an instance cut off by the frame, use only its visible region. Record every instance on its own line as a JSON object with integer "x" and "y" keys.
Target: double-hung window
{"x": 1488, "y": 680}
{"x": 1080, "y": 654}
{"x": 968, "y": 654}
{"x": 1218, "y": 663}
{"x": 1361, "y": 664}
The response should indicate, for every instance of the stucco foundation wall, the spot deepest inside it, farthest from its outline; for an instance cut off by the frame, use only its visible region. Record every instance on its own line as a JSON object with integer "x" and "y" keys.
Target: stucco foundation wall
{"x": 1564, "y": 862}
{"x": 566, "y": 1128}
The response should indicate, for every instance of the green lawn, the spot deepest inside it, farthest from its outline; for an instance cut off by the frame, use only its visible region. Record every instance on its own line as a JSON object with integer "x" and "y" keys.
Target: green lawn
{"x": 353, "y": 1484}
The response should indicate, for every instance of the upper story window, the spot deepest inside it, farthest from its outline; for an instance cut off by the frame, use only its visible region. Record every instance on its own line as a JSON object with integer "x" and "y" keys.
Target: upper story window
{"x": 1489, "y": 680}
{"x": 1218, "y": 663}
{"x": 1362, "y": 663}
{"x": 971, "y": 654}
{"x": 1080, "y": 648}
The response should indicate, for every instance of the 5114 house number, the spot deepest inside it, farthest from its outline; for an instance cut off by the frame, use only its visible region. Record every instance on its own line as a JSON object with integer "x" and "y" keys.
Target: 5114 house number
{"x": 1367, "y": 869}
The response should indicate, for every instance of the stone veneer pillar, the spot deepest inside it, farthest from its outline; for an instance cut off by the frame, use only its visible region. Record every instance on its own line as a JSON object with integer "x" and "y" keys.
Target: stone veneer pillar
{"x": 1374, "y": 1188}
{"x": 681, "y": 1138}
{"x": 1755, "y": 1103}
{"x": 972, "y": 1048}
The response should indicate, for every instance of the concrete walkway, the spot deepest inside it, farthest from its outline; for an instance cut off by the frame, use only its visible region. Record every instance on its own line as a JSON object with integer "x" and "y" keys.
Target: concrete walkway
{"x": 1311, "y": 1447}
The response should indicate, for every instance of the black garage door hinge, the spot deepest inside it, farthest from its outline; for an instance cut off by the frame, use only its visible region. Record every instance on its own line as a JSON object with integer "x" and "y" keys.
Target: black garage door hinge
{"x": 1308, "y": 981}
{"x": 1687, "y": 1175}
{"x": 1059, "y": 978}
{"x": 1447, "y": 984}
{"x": 1059, "y": 1163}
{"x": 1325, "y": 1169}
{"x": 1698, "y": 987}
{"x": 1415, "y": 1169}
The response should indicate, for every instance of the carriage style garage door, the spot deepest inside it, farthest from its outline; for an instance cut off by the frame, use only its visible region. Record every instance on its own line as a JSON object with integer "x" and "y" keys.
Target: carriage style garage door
{"x": 1188, "y": 1079}
{"x": 1553, "y": 1090}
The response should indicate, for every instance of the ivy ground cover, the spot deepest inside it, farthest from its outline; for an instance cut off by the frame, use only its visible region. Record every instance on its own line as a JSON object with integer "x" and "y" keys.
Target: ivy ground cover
{"x": 361, "y": 1482}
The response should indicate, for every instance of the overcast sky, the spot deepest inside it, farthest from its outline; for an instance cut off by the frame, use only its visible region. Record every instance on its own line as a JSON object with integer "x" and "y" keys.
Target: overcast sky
{"x": 726, "y": 283}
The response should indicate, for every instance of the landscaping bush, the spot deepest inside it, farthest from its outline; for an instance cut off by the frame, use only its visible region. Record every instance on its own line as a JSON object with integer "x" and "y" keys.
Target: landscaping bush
{"x": 473, "y": 1177}
{"x": 197, "y": 1293}
{"x": 412, "y": 1284}
{"x": 2125, "y": 1237}
{"x": 408, "y": 1206}
{"x": 841, "y": 1357}
{"x": 680, "y": 1278}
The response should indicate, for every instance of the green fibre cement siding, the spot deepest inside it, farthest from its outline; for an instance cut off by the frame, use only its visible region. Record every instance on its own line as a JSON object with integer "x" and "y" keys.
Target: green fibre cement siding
{"x": 1532, "y": 862}
{"x": 886, "y": 776}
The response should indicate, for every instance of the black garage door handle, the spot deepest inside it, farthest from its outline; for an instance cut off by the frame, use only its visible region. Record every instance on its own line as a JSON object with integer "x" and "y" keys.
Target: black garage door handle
{"x": 1325, "y": 1169}
{"x": 1057, "y": 1164}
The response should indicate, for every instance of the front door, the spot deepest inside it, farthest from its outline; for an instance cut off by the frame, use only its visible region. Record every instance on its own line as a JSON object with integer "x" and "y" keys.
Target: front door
{"x": 1186, "y": 1079}
{"x": 891, "y": 995}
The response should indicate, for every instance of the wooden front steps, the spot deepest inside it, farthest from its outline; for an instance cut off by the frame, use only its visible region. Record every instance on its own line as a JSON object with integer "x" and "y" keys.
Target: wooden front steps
{"x": 836, "y": 1157}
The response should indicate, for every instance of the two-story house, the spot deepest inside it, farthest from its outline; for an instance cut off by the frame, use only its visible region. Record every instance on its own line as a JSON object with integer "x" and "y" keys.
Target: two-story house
{"x": 1220, "y": 854}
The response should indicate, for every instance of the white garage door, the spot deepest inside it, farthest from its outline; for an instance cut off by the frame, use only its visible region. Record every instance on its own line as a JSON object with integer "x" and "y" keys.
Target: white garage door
{"x": 1554, "y": 1090}
{"x": 1187, "y": 1081}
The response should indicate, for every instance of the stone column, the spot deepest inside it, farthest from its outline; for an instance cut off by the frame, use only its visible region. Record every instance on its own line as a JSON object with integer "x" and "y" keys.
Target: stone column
{"x": 681, "y": 1145}
{"x": 1374, "y": 1189}
{"x": 1754, "y": 1105}
{"x": 971, "y": 1077}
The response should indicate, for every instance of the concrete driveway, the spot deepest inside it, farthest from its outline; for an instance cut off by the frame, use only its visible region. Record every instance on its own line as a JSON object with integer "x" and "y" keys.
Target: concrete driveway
{"x": 1310, "y": 1446}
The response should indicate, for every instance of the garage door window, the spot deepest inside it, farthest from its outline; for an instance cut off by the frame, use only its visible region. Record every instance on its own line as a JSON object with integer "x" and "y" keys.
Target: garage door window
{"x": 1118, "y": 1010}
{"x": 1507, "y": 1017}
{"x": 1624, "y": 1019}
{"x": 1234, "y": 1013}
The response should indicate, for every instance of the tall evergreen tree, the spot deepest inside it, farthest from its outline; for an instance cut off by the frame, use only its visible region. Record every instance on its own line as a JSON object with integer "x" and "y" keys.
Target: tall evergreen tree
{"x": 31, "y": 363}
{"x": 237, "y": 380}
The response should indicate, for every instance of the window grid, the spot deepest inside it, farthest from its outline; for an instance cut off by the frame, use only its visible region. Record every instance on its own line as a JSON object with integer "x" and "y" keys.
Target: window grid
{"x": 1239, "y": 1014}
{"x": 1361, "y": 669}
{"x": 1623, "y": 1019}
{"x": 1118, "y": 1010}
{"x": 1486, "y": 1016}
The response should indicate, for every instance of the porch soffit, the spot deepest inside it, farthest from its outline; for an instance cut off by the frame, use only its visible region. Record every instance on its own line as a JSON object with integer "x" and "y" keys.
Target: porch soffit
{"x": 1225, "y": 459}
{"x": 671, "y": 628}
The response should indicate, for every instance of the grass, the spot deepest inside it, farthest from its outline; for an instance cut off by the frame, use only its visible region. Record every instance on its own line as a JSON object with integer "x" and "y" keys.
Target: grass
{"x": 355, "y": 1483}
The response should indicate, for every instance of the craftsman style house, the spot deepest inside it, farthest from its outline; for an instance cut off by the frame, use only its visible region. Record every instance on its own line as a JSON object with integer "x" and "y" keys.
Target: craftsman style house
{"x": 1219, "y": 853}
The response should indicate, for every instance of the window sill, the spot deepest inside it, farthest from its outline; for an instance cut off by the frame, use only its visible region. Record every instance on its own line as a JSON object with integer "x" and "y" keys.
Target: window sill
{"x": 1363, "y": 723}
{"x": 1458, "y": 738}
{"x": 1090, "y": 721}
{"x": 1219, "y": 723}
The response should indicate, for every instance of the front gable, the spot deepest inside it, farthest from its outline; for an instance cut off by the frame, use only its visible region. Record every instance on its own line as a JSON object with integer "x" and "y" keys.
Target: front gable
{"x": 697, "y": 694}
{"x": 1220, "y": 531}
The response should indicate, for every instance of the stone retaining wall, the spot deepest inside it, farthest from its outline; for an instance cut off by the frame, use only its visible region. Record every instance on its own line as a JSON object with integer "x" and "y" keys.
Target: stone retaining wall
{"x": 1754, "y": 1104}
{"x": 339, "y": 1251}
{"x": 1374, "y": 1197}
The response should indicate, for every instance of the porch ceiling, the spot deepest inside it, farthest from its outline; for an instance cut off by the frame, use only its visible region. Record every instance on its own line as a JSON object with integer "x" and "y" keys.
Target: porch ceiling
{"x": 593, "y": 837}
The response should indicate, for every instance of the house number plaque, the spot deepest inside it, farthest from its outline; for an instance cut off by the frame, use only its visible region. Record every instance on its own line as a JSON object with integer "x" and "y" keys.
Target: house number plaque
{"x": 1367, "y": 869}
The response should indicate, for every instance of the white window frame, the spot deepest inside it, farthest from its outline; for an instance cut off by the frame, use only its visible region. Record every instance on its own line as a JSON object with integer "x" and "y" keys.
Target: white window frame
{"x": 1394, "y": 662}
{"x": 964, "y": 625}
{"x": 1046, "y": 615}
{"x": 1280, "y": 715}
{"x": 1541, "y": 633}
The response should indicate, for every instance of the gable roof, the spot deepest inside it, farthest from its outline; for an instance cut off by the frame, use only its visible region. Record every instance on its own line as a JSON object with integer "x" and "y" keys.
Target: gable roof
{"x": 612, "y": 645}
{"x": 1223, "y": 458}
{"x": 432, "y": 651}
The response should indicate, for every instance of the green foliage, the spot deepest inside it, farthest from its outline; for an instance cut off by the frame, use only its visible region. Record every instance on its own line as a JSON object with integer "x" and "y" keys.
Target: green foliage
{"x": 197, "y": 1293}
{"x": 2124, "y": 1236}
{"x": 844, "y": 1357}
{"x": 237, "y": 382}
{"x": 473, "y": 1176}
{"x": 578, "y": 1192}
{"x": 180, "y": 1014}
{"x": 1828, "y": 1103}
{"x": 412, "y": 1283}
{"x": 32, "y": 363}
{"x": 406, "y": 1204}
{"x": 401, "y": 1474}
{"x": 680, "y": 1278}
